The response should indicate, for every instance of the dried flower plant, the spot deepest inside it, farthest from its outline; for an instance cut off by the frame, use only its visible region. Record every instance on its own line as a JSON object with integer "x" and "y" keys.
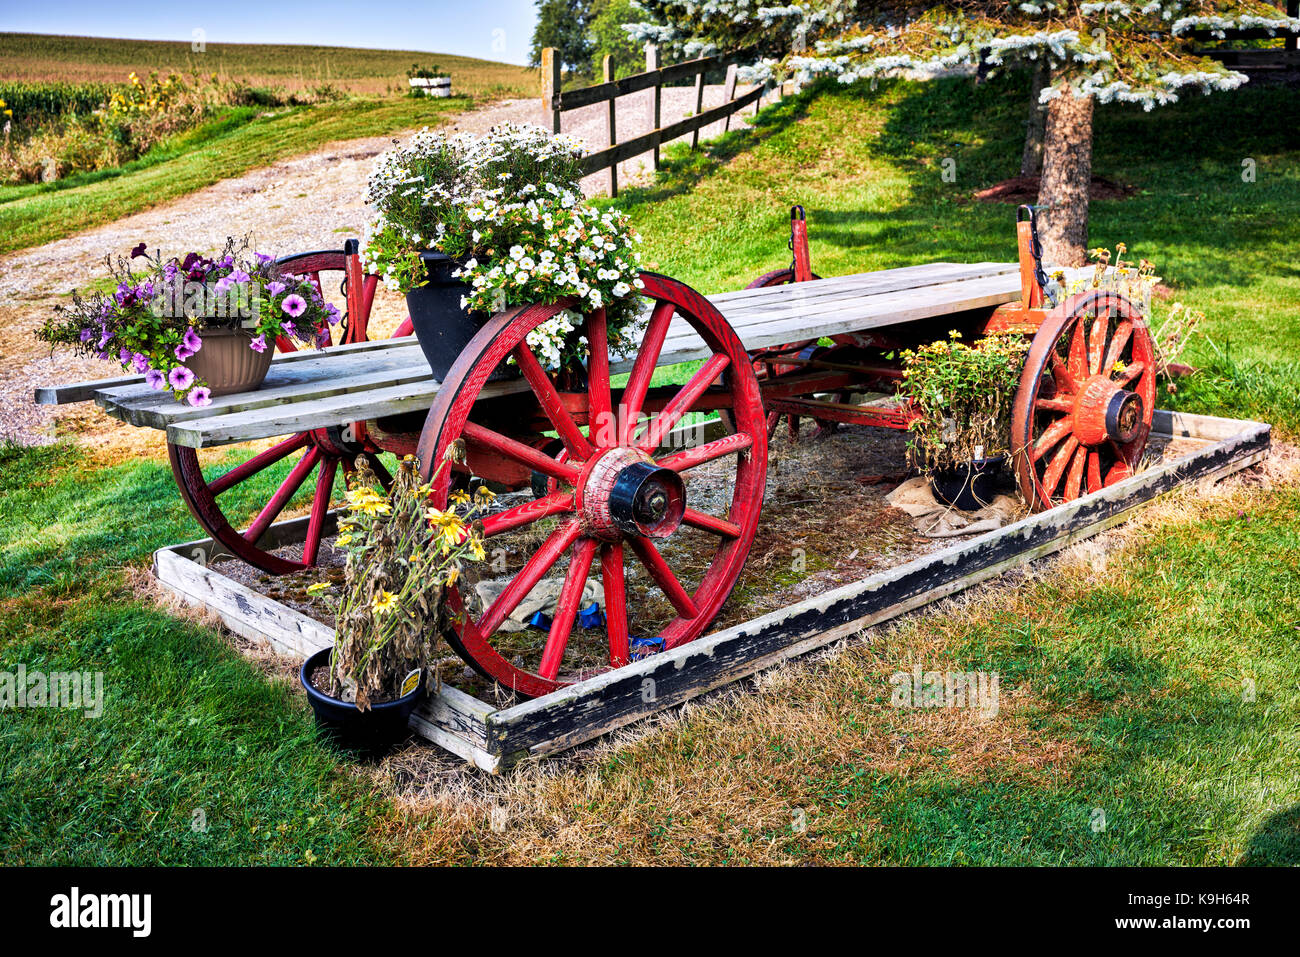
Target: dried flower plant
{"x": 401, "y": 553}
{"x": 962, "y": 396}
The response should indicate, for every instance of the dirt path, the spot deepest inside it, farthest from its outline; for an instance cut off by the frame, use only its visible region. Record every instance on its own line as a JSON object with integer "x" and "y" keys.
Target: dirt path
{"x": 313, "y": 201}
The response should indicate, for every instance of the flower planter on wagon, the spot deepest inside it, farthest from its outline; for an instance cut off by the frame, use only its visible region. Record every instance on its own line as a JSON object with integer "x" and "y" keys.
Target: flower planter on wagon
{"x": 608, "y": 495}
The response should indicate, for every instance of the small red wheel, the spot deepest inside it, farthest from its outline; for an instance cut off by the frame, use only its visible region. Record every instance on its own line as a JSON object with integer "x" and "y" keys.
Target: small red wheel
{"x": 619, "y": 494}
{"x": 322, "y": 450}
{"x": 1083, "y": 411}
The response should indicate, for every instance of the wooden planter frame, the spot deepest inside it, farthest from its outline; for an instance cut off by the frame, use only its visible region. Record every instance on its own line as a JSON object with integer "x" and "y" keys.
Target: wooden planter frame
{"x": 496, "y": 738}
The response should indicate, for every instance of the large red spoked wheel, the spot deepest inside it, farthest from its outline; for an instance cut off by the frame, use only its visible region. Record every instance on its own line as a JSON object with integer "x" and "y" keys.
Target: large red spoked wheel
{"x": 1083, "y": 411}
{"x": 618, "y": 496}
{"x": 320, "y": 452}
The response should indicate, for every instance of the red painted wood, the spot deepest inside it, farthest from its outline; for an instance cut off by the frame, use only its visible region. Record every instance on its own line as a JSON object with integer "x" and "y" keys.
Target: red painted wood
{"x": 257, "y": 463}
{"x": 566, "y": 609}
{"x": 711, "y": 523}
{"x": 611, "y": 575}
{"x": 602, "y": 427}
{"x": 557, "y": 503}
{"x": 683, "y": 402}
{"x": 696, "y": 603}
{"x": 271, "y": 511}
{"x": 538, "y": 565}
{"x": 514, "y": 449}
{"x": 549, "y": 399}
{"x": 1060, "y": 440}
{"x": 643, "y": 368}
{"x": 320, "y": 506}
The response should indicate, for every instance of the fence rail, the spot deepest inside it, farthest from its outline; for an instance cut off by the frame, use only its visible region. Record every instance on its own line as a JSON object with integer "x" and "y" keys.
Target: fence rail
{"x": 557, "y": 101}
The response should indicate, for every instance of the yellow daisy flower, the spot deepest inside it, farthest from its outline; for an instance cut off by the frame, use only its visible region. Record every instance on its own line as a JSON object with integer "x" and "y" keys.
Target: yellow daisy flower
{"x": 383, "y": 602}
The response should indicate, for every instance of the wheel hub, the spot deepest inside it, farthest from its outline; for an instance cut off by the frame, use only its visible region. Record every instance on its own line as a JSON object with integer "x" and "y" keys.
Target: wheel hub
{"x": 623, "y": 492}
{"x": 1106, "y": 411}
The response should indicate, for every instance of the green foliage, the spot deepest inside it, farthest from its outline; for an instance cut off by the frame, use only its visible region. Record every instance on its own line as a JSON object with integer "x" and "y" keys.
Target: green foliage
{"x": 562, "y": 24}
{"x": 962, "y": 395}
{"x": 608, "y": 38}
{"x": 34, "y": 104}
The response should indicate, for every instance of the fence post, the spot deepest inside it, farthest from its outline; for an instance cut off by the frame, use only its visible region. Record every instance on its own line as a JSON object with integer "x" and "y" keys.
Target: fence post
{"x": 608, "y": 66}
{"x": 699, "y": 106}
{"x": 729, "y": 93}
{"x": 1293, "y": 10}
{"x": 551, "y": 83}
{"x": 652, "y": 62}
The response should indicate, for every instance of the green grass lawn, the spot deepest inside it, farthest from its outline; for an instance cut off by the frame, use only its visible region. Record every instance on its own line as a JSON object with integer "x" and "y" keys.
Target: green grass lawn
{"x": 1159, "y": 688}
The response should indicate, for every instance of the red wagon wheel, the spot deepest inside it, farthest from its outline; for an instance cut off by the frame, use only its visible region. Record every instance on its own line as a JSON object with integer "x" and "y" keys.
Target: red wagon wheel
{"x": 322, "y": 450}
{"x": 1083, "y": 411}
{"x": 619, "y": 496}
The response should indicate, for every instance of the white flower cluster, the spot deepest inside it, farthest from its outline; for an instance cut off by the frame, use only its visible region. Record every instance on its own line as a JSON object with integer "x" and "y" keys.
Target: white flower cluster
{"x": 508, "y": 207}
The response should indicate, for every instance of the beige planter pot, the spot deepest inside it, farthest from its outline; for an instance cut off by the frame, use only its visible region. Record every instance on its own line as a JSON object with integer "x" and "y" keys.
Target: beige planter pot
{"x": 227, "y": 364}
{"x": 432, "y": 85}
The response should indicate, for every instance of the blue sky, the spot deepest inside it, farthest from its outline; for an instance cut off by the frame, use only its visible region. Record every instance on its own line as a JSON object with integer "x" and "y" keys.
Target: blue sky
{"x": 492, "y": 29}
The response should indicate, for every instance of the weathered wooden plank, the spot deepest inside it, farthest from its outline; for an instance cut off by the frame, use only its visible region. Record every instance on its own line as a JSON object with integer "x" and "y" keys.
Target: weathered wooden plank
{"x": 243, "y": 610}
{"x": 870, "y": 283}
{"x": 316, "y": 413}
{"x": 605, "y": 702}
{"x": 160, "y": 409}
{"x": 85, "y": 391}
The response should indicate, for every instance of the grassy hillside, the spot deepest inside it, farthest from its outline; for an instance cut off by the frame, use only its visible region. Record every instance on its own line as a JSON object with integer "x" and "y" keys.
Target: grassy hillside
{"x": 38, "y": 57}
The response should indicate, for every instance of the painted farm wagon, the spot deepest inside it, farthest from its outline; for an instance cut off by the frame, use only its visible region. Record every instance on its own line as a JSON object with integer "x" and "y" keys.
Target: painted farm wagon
{"x": 600, "y": 468}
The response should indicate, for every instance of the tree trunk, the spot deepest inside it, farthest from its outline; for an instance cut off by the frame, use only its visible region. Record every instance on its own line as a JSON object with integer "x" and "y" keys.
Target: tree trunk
{"x": 1031, "y": 160}
{"x": 1067, "y": 174}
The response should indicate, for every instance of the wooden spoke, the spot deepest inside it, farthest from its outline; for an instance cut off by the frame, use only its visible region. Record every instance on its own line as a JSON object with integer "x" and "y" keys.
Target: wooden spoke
{"x": 1078, "y": 364}
{"x": 1094, "y": 471}
{"x": 643, "y": 368}
{"x": 1131, "y": 372}
{"x": 525, "y": 454}
{"x": 1074, "y": 478}
{"x": 1097, "y": 341}
{"x": 602, "y": 428}
{"x": 1056, "y": 467}
{"x": 710, "y": 523}
{"x": 1123, "y": 332}
{"x": 663, "y": 576}
{"x": 1055, "y": 404}
{"x": 554, "y": 504}
{"x": 566, "y": 609}
{"x": 1065, "y": 382}
{"x": 611, "y": 573}
{"x": 681, "y": 403}
{"x": 538, "y": 565}
{"x": 320, "y": 506}
{"x": 1051, "y": 436}
{"x": 549, "y": 397}
{"x": 280, "y": 499}
{"x": 689, "y": 458}
{"x": 257, "y": 463}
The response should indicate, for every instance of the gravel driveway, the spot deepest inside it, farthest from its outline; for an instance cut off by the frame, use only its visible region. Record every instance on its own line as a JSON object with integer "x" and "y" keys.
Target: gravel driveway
{"x": 313, "y": 201}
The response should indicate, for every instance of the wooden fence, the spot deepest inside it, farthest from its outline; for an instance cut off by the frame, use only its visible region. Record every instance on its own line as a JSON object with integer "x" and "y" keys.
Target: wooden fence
{"x": 557, "y": 101}
{"x": 1270, "y": 58}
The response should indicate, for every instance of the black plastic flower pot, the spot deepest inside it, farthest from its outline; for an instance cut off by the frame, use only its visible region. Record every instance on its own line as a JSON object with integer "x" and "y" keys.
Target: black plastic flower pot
{"x": 377, "y": 729}
{"x": 968, "y": 487}
{"x": 441, "y": 325}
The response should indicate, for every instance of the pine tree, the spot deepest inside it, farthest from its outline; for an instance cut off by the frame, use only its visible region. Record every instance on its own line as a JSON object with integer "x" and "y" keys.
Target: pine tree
{"x": 1101, "y": 51}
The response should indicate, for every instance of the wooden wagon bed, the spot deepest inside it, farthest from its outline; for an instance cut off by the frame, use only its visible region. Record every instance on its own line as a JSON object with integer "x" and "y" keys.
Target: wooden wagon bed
{"x": 309, "y": 390}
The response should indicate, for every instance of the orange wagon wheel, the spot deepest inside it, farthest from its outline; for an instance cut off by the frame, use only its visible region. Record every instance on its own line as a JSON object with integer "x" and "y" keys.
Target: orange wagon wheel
{"x": 1083, "y": 411}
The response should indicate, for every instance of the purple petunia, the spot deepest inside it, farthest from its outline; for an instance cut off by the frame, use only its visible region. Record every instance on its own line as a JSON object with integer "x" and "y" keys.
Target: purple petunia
{"x": 332, "y": 313}
{"x": 139, "y": 362}
{"x": 275, "y": 288}
{"x": 155, "y": 379}
{"x": 289, "y": 329}
{"x": 180, "y": 378}
{"x": 199, "y": 397}
{"x": 258, "y": 344}
{"x": 191, "y": 340}
{"x": 182, "y": 351}
{"x": 239, "y": 276}
{"x": 87, "y": 334}
{"x": 294, "y": 305}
